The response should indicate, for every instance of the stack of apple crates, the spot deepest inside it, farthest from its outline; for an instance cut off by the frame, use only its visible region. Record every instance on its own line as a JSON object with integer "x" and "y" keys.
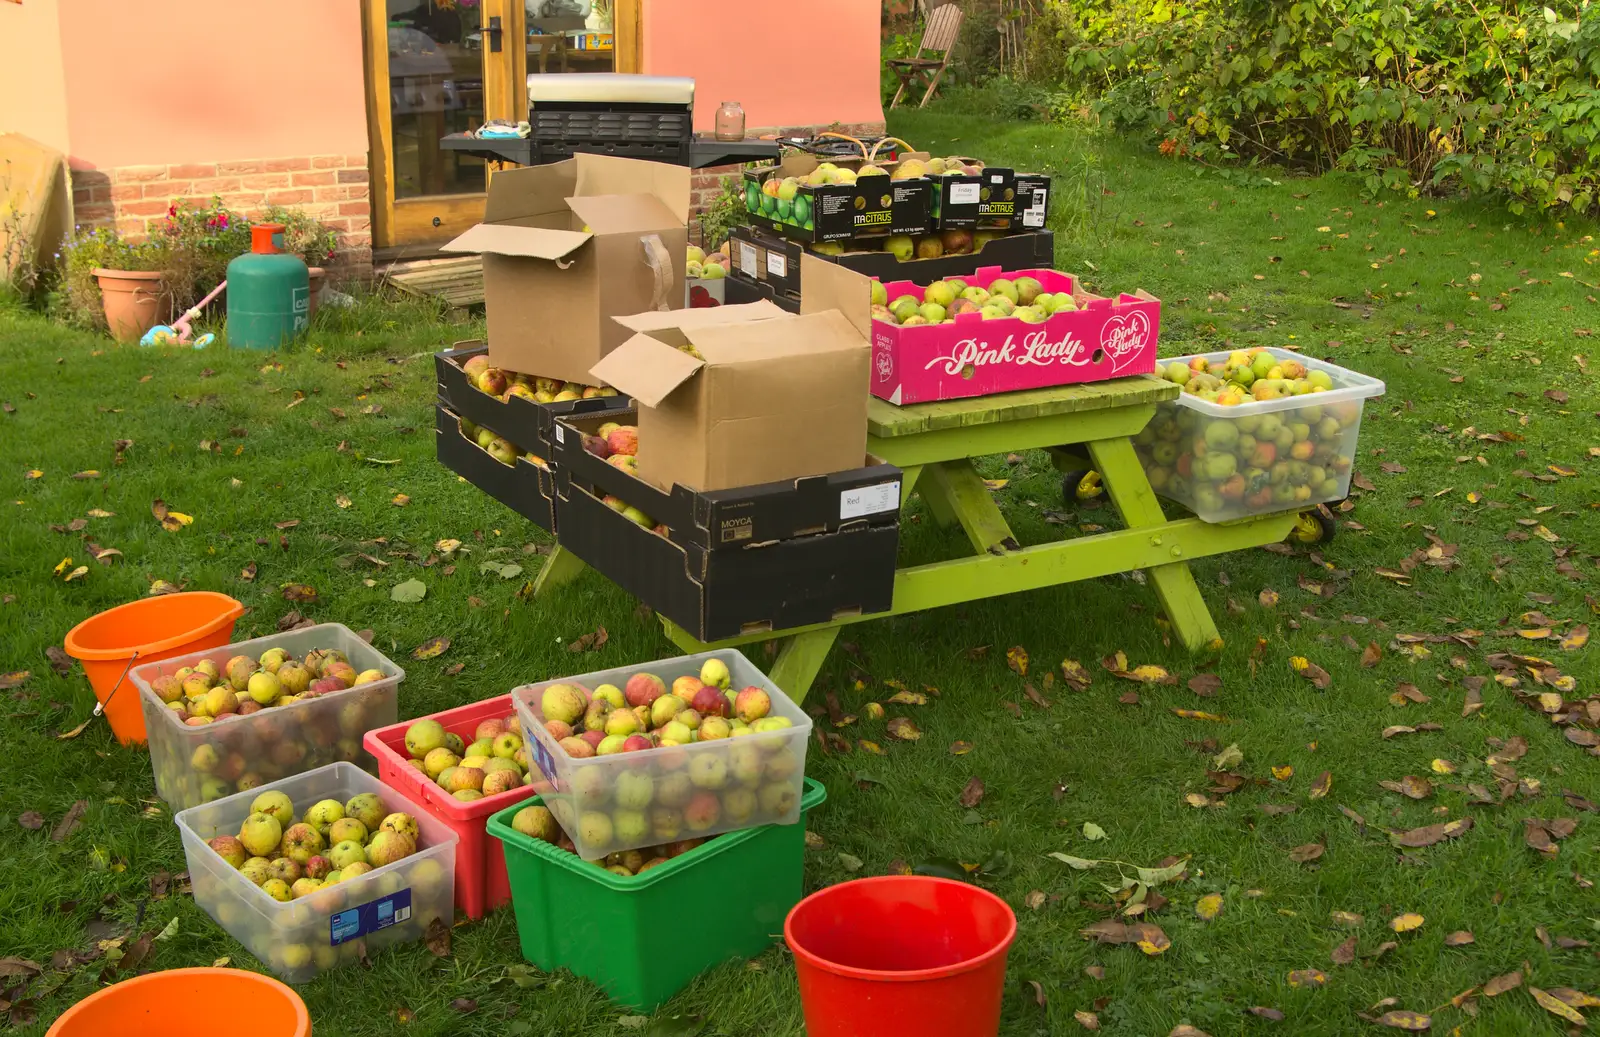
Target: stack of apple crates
{"x": 571, "y": 911}
{"x": 309, "y": 750}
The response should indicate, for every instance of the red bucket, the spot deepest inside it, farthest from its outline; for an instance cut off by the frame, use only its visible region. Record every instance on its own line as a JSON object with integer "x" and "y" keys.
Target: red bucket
{"x": 901, "y": 956}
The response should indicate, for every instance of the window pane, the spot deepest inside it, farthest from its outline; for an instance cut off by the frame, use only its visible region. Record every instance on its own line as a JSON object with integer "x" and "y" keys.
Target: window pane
{"x": 435, "y": 88}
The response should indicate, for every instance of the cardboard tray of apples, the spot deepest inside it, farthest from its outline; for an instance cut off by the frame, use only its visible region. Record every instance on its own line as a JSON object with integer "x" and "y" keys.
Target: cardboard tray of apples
{"x": 1255, "y": 431}
{"x": 236, "y": 717}
{"x": 319, "y": 870}
{"x": 999, "y": 331}
{"x": 677, "y": 749}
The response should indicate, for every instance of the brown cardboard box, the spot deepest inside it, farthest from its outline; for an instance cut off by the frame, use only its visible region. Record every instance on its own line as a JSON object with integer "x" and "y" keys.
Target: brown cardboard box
{"x": 775, "y": 397}
{"x": 551, "y": 287}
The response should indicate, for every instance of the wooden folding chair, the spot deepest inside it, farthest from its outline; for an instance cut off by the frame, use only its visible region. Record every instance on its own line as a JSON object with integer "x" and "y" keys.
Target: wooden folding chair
{"x": 933, "y": 53}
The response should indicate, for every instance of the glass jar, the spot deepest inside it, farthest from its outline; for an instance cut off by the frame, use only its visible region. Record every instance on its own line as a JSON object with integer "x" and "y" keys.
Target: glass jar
{"x": 730, "y": 121}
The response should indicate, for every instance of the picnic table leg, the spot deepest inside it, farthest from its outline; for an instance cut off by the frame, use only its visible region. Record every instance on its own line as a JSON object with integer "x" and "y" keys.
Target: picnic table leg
{"x": 962, "y": 492}
{"x": 800, "y": 659}
{"x": 1124, "y": 478}
{"x": 933, "y": 498}
{"x": 560, "y": 567}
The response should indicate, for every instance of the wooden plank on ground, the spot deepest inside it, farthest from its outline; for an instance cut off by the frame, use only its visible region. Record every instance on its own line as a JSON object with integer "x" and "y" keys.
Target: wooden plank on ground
{"x": 457, "y": 280}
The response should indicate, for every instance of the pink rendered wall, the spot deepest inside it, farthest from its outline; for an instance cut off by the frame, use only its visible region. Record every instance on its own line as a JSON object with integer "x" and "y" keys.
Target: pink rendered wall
{"x": 162, "y": 82}
{"x": 33, "y": 98}
{"x": 789, "y": 64}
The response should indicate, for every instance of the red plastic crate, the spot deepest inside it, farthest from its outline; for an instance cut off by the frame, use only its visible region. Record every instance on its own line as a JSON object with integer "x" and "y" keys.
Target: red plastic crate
{"x": 481, "y": 883}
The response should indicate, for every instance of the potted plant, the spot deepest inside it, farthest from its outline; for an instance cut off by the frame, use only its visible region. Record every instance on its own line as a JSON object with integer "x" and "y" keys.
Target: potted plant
{"x": 308, "y": 239}
{"x": 117, "y": 284}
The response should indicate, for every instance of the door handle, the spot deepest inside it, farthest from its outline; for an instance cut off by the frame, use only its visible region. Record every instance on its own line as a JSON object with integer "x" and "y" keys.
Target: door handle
{"x": 494, "y": 32}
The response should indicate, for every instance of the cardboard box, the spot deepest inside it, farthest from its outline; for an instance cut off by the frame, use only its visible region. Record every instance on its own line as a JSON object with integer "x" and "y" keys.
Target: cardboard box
{"x": 771, "y": 398}
{"x": 551, "y": 286}
{"x": 874, "y": 204}
{"x": 1103, "y": 338}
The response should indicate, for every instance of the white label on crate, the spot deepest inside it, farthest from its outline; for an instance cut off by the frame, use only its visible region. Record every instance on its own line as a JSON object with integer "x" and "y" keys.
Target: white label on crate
{"x": 869, "y": 500}
{"x": 777, "y": 265}
{"x": 1033, "y": 215}
{"x": 369, "y": 917}
{"x": 561, "y": 436}
{"x": 965, "y": 194}
{"x": 747, "y": 260}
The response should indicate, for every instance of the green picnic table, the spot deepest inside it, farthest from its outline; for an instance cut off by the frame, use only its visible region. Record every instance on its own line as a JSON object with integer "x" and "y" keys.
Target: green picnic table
{"x": 935, "y": 444}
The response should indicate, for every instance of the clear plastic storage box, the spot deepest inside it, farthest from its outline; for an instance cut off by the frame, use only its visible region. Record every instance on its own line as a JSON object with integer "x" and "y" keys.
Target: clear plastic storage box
{"x": 199, "y": 764}
{"x": 1261, "y": 456}
{"x": 334, "y": 926}
{"x": 629, "y": 800}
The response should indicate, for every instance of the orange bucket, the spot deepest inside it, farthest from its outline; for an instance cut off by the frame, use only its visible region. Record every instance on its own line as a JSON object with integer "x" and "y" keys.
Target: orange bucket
{"x": 143, "y": 631}
{"x": 186, "y": 1003}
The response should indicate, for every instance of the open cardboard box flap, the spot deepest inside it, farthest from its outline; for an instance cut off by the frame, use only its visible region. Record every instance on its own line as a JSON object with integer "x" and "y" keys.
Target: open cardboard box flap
{"x": 623, "y": 213}
{"x": 687, "y": 320}
{"x": 525, "y": 242}
{"x": 607, "y": 175}
{"x": 806, "y": 335}
{"x": 517, "y": 195}
{"x": 646, "y": 368}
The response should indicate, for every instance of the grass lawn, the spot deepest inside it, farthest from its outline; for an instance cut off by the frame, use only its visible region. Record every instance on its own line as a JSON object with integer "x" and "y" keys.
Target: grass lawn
{"x": 1477, "y": 322}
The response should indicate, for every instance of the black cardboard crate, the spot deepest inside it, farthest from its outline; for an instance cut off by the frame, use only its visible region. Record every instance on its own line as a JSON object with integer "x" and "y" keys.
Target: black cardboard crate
{"x": 873, "y": 205}
{"x": 713, "y": 595}
{"x": 521, "y": 420}
{"x": 739, "y": 290}
{"x": 526, "y": 488}
{"x": 997, "y": 198}
{"x": 768, "y": 258}
{"x": 731, "y": 520}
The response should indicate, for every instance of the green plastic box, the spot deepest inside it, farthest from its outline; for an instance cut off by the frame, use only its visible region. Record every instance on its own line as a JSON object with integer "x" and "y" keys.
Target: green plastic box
{"x": 572, "y": 914}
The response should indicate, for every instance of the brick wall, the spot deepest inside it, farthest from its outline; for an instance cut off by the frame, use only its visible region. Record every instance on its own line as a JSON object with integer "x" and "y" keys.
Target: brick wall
{"x": 706, "y": 184}
{"x": 332, "y": 188}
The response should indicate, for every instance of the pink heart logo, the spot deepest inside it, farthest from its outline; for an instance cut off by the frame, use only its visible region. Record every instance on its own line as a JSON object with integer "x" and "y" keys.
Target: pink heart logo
{"x": 1124, "y": 337}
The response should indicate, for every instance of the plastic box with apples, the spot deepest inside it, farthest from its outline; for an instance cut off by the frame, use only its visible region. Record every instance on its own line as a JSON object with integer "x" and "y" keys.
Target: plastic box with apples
{"x": 328, "y": 925}
{"x": 617, "y": 939}
{"x": 262, "y": 738}
{"x": 724, "y": 748}
{"x": 994, "y": 331}
{"x": 480, "y": 865}
{"x": 1254, "y": 432}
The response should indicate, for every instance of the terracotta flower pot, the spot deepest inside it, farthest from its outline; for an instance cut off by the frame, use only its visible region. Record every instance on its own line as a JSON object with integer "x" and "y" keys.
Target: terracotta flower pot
{"x": 319, "y": 277}
{"x": 135, "y": 301}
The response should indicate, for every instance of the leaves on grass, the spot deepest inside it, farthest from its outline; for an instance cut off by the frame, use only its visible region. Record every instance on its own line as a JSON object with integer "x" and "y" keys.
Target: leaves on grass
{"x": 1074, "y": 675}
{"x": 1541, "y": 834}
{"x": 1322, "y": 785}
{"x": 32, "y": 820}
{"x": 1349, "y": 918}
{"x": 1283, "y": 773}
{"x": 972, "y": 794}
{"x": 1199, "y": 714}
{"x": 1262, "y": 1012}
{"x": 1500, "y": 984}
{"x": 1209, "y": 906}
{"x": 1087, "y": 1020}
{"x": 1034, "y": 900}
{"x": 1404, "y": 1020}
{"x": 1428, "y": 835}
{"x": 1371, "y": 656}
{"x": 1311, "y": 672}
{"x": 1268, "y": 598}
{"x": 431, "y": 648}
{"x": 1406, "y": 922}
{"x": 590, "y": 642}
{"x": 505, "y": 570}
{"x": 72, "y": 733}
{"x": 1092, "y": 831}
{"x": 1410, "y": 786}
{"x": 437, "y": 937}
{"x": 60, "y": 661}
{"x": 904, "y": 728}
{"x": 908, "y": 698}
{"x": 300, "y": 592}
{"x": 409, "y": 592}
{"x": 1576, "y": 638}
{"x": 1556, "y": 1006}
{"x": 1205, "y": 684}
{"x": 1574, "y": 998}
{"x": 248, "y": 573}
{"x": 342, "y": 501}
{"x": 14, "y": 679}
{"x": 1306, "y": 853}
{"x": 70, "y": 823}
{"x": 170, "y": 520}
{"x": 1017, "y": 659}
{"x": 1344, "y": 953}
{"x": 960, "y": 748}
{"x": 1147, "y": 936}
{"x": 1307, "y": 978}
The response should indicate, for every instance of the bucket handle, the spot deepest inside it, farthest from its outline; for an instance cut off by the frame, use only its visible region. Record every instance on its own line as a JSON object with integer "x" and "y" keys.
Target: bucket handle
{"x": 100, "y": 707}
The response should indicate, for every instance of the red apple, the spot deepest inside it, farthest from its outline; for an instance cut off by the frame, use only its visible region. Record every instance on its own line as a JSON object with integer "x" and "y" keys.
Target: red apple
{"x": 710, "y": 702}
{"x": 643, "y": 688}
{"x": 637, "y": 743}
{"x": 594, "y": 738}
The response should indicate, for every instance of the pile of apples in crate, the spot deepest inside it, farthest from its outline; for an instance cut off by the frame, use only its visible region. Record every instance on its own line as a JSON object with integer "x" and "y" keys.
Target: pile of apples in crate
{"x": 496, "y": 761}
{"x": 943, "y": 301}
{"x": 539, "y": 823}
{"x": 503, "y": 385}
{"x": 291, "y": 858}
{"x": 204, "y": 693}
{"x": 618, "y": 445}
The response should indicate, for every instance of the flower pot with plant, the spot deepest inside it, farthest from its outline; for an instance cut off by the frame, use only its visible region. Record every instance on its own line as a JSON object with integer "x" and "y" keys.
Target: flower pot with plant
{"x": 116, "y": 284}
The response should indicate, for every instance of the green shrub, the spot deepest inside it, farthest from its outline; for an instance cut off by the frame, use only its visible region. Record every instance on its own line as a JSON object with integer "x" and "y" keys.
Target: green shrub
{"x": 77, "y": 296}
{"x": 1443, "y": 95}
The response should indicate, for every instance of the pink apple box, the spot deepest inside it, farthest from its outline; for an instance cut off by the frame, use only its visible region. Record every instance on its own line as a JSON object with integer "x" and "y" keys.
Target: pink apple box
{"x": 1102, "y": 339}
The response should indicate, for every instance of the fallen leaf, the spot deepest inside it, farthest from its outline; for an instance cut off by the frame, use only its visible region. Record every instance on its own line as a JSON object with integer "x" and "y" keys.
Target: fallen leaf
{"x": 1205, "y": 684}
{"x": 1075, "y": 676}
{"x": 431, "y": 648}
{"x": 1459, "y": 938}
{"x": 908, "y": 698}
{"x": 1184, "y": 1029}
{"x": 1576, "y": 638}
{"x": 1087, "y": 1020}
{"x": 972, "y": 794}
{"x": 248, "y": 573}
{"x": 1574, "y": 998}
{"x": 410, "y": 592}
{"x": 400, "y": 500}
{"x": 1406, "y": 922}
{"x": 1261, "y": 1012}
{"x": 1371, "y": 655}
{"x": 1410, "y": 786}
{"x": 1268, "y": 598}
{"x": 1208, "y": 906}
{"x": 1344, "y": 953}
{"x": 1500, "y": 984}
{"x": 1283, "y": 773}
{"x": 590, "y": 642}
{"x": 69, "y": 823}
{"x": 1311, "y": 672}
{"x": 850, "y": 862}
{"x": 342, "y": 501}
{"x": 1198, "y": 714}
{"x": 32, "y": 820}
{"x": 299, "y": 592}
{"x": 1557, "y": 1007}
{"x": 1306, "y": 853}
{"x": 76, "y": 731}
{"x": 437, "y": 937}
{"x": 15, "y": 679}
{"x": 960, "y": 748}
{"x": 1017, "y": 659}
{"x": 1092, "y": 831}
{"x": 903, "y": 728}
{"x": 1034, "y": 900}
{"x": 1428, "y": 835}
{"x": 1151, "y": 940}
{"x": 60, "y": 661}
{"x": 1307, "y": 978}
{"x": 1402, "y": 1020}
{"x": 1321, "y": 786}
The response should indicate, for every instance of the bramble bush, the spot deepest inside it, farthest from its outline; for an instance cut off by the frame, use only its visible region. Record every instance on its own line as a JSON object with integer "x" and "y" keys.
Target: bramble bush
{"x": 1435, "y": 96}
